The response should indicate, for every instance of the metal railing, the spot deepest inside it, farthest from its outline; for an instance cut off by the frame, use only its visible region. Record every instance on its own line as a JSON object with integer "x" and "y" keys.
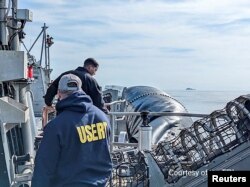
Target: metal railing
{"x": 117, "y": 116}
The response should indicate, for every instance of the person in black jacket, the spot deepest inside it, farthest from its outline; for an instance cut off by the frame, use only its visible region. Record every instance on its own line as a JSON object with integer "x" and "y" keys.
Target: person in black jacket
{"x": 89, "y": 84}
{"x": 74, "y": 151}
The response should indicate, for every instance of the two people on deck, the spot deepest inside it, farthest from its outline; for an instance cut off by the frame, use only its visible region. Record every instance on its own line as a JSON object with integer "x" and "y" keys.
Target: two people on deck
{"x": 74, "y": 150}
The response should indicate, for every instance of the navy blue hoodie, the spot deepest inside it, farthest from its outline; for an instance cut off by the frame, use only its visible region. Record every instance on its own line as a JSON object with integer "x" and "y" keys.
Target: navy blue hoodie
{"x": 74, "y": 150}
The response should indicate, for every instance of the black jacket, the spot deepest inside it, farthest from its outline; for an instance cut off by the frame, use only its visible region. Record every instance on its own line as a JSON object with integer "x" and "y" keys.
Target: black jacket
{"x": 89, "y": 86}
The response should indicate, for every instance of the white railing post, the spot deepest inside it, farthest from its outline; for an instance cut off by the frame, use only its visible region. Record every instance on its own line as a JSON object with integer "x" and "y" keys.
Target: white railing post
{"x": 145, "y": 133}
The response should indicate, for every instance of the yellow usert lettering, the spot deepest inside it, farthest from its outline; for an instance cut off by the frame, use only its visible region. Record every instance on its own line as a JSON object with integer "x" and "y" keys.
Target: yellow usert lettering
{"x": 93, "y": 132}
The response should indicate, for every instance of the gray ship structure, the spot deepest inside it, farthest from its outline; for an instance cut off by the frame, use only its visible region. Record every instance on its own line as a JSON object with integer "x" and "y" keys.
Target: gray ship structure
{"x": 155, "y": 141}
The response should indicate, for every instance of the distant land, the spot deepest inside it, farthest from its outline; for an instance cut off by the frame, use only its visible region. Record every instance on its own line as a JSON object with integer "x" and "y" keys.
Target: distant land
{"x": 190, "y": 89}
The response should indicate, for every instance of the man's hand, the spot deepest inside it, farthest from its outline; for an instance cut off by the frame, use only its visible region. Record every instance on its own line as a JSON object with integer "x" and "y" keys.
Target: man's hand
{"x": 45, "y": 114}
{"x": 49, "y": 109}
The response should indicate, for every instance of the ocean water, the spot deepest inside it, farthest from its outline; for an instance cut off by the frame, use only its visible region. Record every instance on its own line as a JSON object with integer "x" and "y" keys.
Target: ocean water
{"x": 204, "y": 102}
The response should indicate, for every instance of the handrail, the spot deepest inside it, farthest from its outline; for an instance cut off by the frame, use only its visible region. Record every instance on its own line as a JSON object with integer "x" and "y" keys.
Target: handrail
{"x": 125, "y": 144}
{"x": 185, "y": 114}
{"x": 114, "y": 102}
{"x": 113, "y": 114}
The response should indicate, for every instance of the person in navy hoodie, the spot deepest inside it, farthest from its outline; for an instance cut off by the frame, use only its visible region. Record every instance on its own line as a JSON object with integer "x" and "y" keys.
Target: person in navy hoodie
{"x": 74, "y": 151}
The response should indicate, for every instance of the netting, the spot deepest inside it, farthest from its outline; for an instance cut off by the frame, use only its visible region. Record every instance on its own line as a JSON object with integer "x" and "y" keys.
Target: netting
{"x": 207, "y": 138}
{"x": 129, "y": 169}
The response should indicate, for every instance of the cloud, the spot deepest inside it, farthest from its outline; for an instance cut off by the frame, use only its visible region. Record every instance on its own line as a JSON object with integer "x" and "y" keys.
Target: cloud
{"x": 166, "y": 43}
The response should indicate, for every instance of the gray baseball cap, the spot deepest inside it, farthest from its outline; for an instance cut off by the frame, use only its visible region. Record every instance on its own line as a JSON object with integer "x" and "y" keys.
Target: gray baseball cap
{"x": 69, "y": 82}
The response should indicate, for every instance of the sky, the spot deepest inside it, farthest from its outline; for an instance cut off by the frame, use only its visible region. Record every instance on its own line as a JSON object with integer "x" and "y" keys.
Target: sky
{"x": 167, "y": 44}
